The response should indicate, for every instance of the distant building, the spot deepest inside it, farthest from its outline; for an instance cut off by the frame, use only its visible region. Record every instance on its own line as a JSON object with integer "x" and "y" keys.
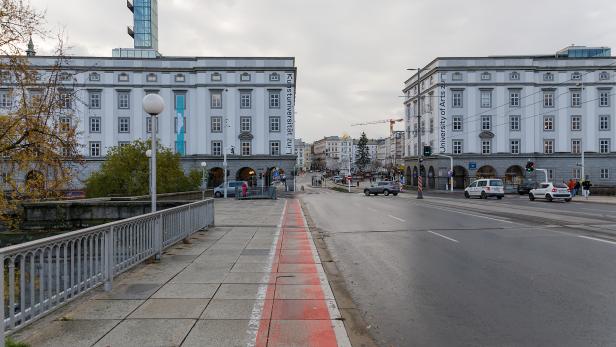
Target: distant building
{"x": 303, "y": 151}
{"x": 332, "y": 153}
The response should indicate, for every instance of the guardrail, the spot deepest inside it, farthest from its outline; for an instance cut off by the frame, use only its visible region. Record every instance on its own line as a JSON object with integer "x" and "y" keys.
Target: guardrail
{"x": 42, "y": 275}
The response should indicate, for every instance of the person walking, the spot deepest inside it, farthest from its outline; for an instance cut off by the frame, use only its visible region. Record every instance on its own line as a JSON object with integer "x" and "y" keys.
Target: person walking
{"x": 586, "y": 188}
{"x": 244, "y": 189}
{"x": 571, "y": 186}
{"x": 576, "y": 187}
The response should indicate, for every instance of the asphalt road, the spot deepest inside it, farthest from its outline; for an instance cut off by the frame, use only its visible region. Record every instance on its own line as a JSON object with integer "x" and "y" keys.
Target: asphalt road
{"x": 446, "y": 271}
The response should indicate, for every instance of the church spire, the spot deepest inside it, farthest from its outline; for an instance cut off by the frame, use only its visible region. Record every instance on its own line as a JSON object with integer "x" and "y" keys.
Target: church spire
{"x": 30, "y": 52}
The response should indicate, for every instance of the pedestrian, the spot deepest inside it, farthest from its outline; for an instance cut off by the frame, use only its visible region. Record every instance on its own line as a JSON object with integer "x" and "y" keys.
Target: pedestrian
{"x": 586, "y": 188}
{"x": 244, "y": 189}
{"x": 571, "y": 184}
{"x": 576, "y": 188}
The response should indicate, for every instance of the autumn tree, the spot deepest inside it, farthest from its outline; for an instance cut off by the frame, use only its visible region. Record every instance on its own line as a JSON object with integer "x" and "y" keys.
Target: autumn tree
{"x": 125, "y": 171}
{"x": 39, "y": 150}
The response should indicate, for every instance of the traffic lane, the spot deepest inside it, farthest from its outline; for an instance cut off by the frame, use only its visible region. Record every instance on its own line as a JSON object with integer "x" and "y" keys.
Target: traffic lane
{"x": 442, "y": 287}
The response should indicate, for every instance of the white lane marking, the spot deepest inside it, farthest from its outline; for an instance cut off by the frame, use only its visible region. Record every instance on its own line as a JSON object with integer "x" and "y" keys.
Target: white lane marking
{"x": 595, "y": 239}
{"x": 396, "y": 218}
{"x": 443, "y": 236}
{"x": 471, "y": 214}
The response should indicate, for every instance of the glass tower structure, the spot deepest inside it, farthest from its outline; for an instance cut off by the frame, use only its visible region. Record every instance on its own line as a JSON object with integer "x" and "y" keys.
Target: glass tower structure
{"x": 145, "y": 16}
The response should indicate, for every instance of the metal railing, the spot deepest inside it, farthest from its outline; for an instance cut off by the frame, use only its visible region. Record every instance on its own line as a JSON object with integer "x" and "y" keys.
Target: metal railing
{"x": 41, "y": 275}
{"x": 256, "y": 193}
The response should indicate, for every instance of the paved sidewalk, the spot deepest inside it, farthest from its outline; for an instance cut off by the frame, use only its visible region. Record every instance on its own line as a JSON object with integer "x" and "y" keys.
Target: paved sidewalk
{"x": 253, "y": 280}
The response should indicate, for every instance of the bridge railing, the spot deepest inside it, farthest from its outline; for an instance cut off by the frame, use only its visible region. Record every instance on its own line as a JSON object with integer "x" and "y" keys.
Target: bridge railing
{"x": 41, "y": 275}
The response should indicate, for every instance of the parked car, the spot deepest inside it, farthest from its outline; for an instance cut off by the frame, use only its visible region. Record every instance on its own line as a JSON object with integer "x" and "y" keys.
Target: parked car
{"x": 485, "y": 188}
{"x": 220, "y": 191}
{"x": 383, "y": 187}
{"x": 337, "y": 179}
{"x": 550, "y": 192}
{"x": 526, "y": 186}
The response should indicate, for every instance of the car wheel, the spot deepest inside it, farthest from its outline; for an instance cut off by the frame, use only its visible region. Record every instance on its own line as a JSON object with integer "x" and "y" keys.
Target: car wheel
{"x": 467, "y": 195}
{"x": 499, "y": 197}
{"x": 484, "y": 195}
{"x": 218, "y": 194}
{"x": 548, "y": 197}
{"x": 568, "y": 200}
{"x": 395, "y": 194}
{"x": 367, "y": 192}
{"x": 386, "y": 192}
{"x": 531, "y": 197}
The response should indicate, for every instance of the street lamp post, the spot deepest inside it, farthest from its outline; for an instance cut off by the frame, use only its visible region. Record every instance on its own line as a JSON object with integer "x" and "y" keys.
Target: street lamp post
{"x": 153, "y": 104}
{"x": 419, "y": 129}
{"x": 203, "y": 179}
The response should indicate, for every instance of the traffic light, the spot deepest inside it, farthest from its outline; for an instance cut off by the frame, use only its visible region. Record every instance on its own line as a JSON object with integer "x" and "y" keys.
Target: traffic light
{"x": 530, "y": 166}
{"x": 427, "y": 151}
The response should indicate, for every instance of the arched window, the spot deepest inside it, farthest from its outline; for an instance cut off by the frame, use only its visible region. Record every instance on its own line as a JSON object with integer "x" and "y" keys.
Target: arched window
{"x": 180, "y": 78}
{"x": 152, "y": 77}
{"x": 548, "y": 76}
{"x": 604, "y": 76}
{"x": 245, "y": 77}
{"x": 216, "y": 77}
{"x": 94, "y": 77}
{"x": 514, "y": 76}
{"x": 486, "y": 76}
{"x": 576, "y": 76}
{"x": 123, "y": 77}
{"x": 274, "y": 77}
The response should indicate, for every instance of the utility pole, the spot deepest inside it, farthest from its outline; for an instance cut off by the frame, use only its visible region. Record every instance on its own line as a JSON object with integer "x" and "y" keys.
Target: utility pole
{"x": 224, "y": 149}
{"x": 419, "y": 146}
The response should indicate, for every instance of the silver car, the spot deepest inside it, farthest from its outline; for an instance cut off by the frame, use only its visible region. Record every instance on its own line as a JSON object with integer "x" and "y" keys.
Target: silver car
{"x": 383, "y": 187}
{"x": 231, "y": 185}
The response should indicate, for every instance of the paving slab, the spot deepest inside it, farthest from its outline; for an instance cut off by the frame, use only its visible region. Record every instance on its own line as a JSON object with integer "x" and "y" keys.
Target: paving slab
{"x": 237, "y": 291}
{"x": 235, "y": 309}
{"x": 104, "y": 309}
{"x": 251, "y": 267}
{"x": 218, "y": 333}
{"x": 171, "y": 308}
{"x": 128, "y": 291}
{"x": 249, "y": 278}
{"x": 71, "y": 333}
{"x": 186, "y": 291}
{"x": 147, "y": 332}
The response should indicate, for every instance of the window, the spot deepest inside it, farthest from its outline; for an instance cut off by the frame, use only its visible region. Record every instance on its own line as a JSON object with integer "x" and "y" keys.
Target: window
{"x": 548, "y": 98}
{"x": 246, "y": 147}
{"x": 457, "y": 146}
{"x": 123, "y": 77}
{"x": 274, "y": 124}
{"x": 604, "y": 123}
{"x": 431, "y": 125}
{"x": 95, "y": 149}
{"x": 216, "y": 98}
{"x": 514, "y": 98}
{"x": 514, "y": 123}
{"x": 274, "y": 147}
{"x": 604, "y": 174}
{"x": 548, "y": 76}
{"x": 95, "y": 124}
{"x": 177, "y": 126}
{"x": 151, "y": 77}
{"x": 604, "y": 76}
{"x": 550, "y": 173}
{"x": 148, "y": 124}
{"x": 274, "y": 77}
{"x": 123, "y": 143}
{"x": 576, "y": 123}
{"x": 216, "y": 125}
{"x": 576, "y": 76}
{"x": 576, "y": 146}
{"x": 456, "y": 76}
{"x": 423, "y": 127}
{"x": 65, "y": 124}
{"x": 6, "y": 101}
{"x": 123, "y": 124}
{"x": 577, "y": 173}
{"x": 216, "y": 77}
{"x": 245, "y": 77}
{"x": 180, "y": 78}
{"x": 274, "y": 99}
{"x": 245, "y": 124}
{"x": 548, "y": 123}
{"x": 486, "y": 76}
{"x": 65, "y": 99}
{"x": 124, "y": 100}
{"x": 65, "y": 76}
{"x": 576, "y": 98}
{"x": 94, "y": 99}
{"x": 514, "y": 146}
{"x": 604, "y": 98}
{"x": 486, "y": 147}
{"x": 217, "y": 148}
{"x": 548, "y": 146}
{"x": 604, "y": 146}
{"x": 514, "y": 76}
{"x": 456, "y": 123}
{"x": 486, "y": 98}
{"x": 94, "y": 77}
{"x": 486, "y": 123}
{"x": 456, "y": 100}
{"x": 245, "y": 100}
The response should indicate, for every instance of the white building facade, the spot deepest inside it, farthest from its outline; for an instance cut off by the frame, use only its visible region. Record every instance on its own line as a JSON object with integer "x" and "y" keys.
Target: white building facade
{"x": 493, "y": 114}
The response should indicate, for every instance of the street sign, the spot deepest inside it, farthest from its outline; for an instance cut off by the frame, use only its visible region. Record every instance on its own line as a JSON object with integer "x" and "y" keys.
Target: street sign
{"x": 472, "y": 165}
{"x": 427, "y": 151}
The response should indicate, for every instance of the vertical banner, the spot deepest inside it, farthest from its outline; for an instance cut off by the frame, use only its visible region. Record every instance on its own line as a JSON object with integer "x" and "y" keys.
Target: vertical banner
{"x": 290, "y": 113}
{"x": 442, "y": 134}
{"x": 180, "y": 105}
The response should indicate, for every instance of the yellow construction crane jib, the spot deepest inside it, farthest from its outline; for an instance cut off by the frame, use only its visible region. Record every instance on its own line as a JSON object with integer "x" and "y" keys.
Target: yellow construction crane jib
{"x": 391, "y": 122}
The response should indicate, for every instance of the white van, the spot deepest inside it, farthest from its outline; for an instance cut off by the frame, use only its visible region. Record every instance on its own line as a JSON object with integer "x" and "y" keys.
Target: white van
{"x": 485, "y": 188}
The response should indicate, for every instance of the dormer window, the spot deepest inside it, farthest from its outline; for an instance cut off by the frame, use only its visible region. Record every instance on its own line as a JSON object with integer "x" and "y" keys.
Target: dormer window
{"x": 274, "y": 77}
{"x": 604, "y": 76}
{"x": 245, "y": 77}
{"x": 456, "y": 76}
{"x": 151, "y": 77}
{"x": 216, "y": 77}
{"x": 548, "y": 76}
{"x": 486, "y": 76}
{"x": 180, "y": 78}
{"x": 123, "y": 77}
{"x": 576, "y": 76}
{"x": 94, "y": 77}
{"x": 514, "y": 76}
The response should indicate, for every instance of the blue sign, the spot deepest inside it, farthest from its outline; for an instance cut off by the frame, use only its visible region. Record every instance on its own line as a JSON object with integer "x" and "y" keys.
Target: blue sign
{"x": 472, "y": 165}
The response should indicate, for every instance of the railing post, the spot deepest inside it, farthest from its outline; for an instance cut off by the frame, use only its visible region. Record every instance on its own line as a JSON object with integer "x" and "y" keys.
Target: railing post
{"x": 212, "y": 214}
{"x": 188, "y": 225}
{"x": 158, "y": 235}
{"x": 2, "y": 309}
{"x": 109, "y": 259}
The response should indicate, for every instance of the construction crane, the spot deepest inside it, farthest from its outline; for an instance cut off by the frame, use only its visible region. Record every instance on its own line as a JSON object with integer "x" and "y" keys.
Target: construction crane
{"x": 391, "y": 122}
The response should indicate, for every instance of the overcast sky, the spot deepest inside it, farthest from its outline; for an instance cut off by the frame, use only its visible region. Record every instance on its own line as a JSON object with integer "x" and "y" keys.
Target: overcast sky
{"x": 351, "y": 54}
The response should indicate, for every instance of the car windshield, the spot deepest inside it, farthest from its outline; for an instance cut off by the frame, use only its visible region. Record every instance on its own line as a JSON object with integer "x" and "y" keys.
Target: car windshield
{"x": 560, "y": 185}
{"x": 496, "y": 183}
{"x": 545, "y": 185}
